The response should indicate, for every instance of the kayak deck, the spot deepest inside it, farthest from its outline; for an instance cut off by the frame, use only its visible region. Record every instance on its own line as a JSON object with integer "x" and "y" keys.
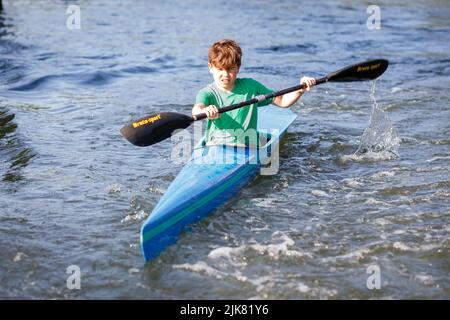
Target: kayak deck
{"x": 212, "y": 176}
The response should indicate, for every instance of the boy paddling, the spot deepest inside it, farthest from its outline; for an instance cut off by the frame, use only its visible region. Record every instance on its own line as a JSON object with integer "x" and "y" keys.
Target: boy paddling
{"x": 224, "y": 61}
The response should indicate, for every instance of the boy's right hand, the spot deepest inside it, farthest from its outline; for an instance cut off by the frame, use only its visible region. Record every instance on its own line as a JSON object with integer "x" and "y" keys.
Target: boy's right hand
{"x": 211, "y": 111}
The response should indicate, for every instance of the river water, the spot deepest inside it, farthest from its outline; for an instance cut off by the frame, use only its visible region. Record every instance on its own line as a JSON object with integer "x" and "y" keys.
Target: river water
{"x": 329, "y": 225}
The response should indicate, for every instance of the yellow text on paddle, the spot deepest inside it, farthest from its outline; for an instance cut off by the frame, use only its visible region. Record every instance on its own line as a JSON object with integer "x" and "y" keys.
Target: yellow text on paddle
{"x": 145, "y": 121}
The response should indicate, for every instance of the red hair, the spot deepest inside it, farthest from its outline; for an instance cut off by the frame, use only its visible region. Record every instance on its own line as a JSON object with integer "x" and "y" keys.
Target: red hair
{"x": 225, "y": 54}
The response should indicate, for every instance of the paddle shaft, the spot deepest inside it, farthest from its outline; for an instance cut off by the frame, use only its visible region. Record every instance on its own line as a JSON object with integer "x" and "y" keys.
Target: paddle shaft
{"x": 258, "y": 99}
{"x": 157, "y": 127}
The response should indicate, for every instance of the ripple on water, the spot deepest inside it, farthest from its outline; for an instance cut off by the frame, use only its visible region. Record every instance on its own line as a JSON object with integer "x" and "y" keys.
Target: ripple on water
{"x": 309, "y": 48}
{"x": 99, "y": 78}
{"x": 15, "y": 155}
{"x": 38, "y": 83}
{"x": 252, "y": 251}
{"x": 369, "y": 157}
{"x": 140, "y": 69}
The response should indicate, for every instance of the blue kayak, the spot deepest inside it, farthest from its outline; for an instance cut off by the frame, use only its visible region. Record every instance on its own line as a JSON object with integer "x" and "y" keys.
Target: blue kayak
{"x": 212, "y": 176}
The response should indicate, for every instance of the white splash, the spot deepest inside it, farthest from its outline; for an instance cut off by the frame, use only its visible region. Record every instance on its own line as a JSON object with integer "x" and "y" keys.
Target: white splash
{"x": 401, "y": 246}
{"x": 379, "y": 140}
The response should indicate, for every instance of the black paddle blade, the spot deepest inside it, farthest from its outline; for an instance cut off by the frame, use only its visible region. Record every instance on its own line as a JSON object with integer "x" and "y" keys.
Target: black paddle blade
{"x": 155, "y": 128}
{"x": 367, "y": 70}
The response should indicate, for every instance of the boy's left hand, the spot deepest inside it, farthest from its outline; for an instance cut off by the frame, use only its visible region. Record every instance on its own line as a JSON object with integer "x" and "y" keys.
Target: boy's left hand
{"x": 309, "y": 82}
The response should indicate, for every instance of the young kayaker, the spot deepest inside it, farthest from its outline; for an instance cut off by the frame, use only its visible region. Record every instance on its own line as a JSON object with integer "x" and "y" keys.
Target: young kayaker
{"x": 224, "y": 61}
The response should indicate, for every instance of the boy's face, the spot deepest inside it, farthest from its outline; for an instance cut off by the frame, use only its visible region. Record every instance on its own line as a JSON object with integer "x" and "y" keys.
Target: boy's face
{"x": 224, "y": 78}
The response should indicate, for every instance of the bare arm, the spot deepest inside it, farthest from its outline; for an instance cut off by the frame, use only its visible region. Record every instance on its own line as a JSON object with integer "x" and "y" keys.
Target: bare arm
{"x": 288, "y": 99}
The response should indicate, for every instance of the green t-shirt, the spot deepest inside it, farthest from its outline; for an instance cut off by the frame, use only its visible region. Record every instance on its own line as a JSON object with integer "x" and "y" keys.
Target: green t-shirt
{"x": 236, "y": 127}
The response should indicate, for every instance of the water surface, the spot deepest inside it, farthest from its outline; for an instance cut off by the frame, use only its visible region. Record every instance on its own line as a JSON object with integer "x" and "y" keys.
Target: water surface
{"x": 74, "y": 192}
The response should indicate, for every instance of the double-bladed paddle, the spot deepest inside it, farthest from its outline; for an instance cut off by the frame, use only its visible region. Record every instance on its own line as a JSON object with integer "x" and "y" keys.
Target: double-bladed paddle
{"x": 157, "y": 127}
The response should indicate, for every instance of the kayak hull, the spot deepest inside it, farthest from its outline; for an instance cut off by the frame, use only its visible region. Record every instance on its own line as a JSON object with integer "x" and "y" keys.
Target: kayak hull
{"x": 159, "y": 233}
{"x": 212, "y": 176}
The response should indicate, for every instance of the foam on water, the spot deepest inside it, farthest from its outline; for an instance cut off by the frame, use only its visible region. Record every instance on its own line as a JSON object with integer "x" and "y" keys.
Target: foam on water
{"x": 201, "y": 267}
{"x": 383, "y": 174}
{"x": 425, "y": 279}
{"x": 138, "y": 216}
{"x": 369, "y": 156}
{"x": 263, "y": 202}
{"x": 373, "y": 201}
{"x": 438, "y": 158}
{"x": 320, "y": 193}
{"x": 396, "y": 89}
{"x": 19, "y": 256}
{"x": 352, "y": 182}
{"x": 382, "y": 222}
{"x": 274, "y": 250}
